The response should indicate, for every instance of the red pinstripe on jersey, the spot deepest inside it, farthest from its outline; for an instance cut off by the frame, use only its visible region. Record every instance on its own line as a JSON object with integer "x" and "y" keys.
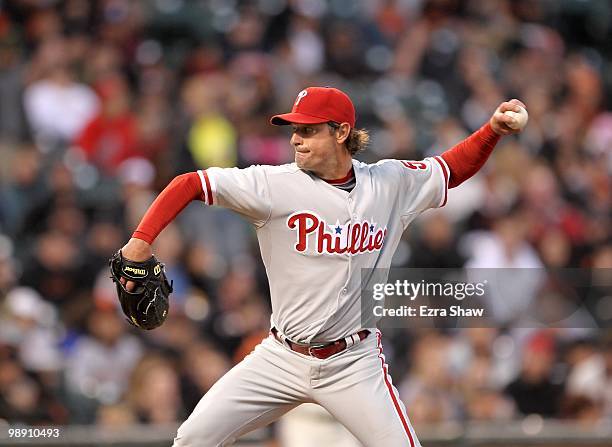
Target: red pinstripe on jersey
{"x": 208, "y": 189}
{"x": 208, "y": 195}
{"x": 396, "y": 404}
{"x": 445, "y": 171}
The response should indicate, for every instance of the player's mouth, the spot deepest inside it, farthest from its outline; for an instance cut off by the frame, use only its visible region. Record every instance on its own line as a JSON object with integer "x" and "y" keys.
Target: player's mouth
{"x": 301, "y": 156}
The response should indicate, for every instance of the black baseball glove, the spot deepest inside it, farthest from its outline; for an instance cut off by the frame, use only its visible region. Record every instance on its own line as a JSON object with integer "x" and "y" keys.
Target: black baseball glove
{"x": 146, "y": 305}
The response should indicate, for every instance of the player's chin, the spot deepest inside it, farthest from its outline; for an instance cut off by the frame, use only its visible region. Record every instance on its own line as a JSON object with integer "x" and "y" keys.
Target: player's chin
{"x": 301, "y": 160}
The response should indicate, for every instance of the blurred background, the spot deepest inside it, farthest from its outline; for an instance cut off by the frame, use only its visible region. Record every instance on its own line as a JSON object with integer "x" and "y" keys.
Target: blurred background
{"x": 103, "y": 102}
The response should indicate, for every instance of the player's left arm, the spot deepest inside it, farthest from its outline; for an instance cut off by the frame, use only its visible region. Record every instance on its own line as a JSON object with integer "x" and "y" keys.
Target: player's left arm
{"x": 466, "y": 158}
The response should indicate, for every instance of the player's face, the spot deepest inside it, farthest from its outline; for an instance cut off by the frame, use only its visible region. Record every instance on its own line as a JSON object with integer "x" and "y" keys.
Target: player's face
{"x": 315, "y": 146}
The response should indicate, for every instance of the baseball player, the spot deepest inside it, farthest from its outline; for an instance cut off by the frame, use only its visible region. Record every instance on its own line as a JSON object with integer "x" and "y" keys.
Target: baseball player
{"x": 319, "y": 221}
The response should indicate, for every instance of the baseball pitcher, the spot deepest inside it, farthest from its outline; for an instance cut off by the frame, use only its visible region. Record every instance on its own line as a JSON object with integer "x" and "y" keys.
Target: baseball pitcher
{"x": 319, "y": 221}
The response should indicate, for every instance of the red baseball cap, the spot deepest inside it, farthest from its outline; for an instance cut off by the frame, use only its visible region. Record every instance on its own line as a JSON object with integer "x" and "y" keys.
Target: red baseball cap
{"x": 315, "y": 105}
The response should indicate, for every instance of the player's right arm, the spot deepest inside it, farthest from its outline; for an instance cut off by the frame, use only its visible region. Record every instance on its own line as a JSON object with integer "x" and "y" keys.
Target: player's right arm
{"x": 425, "y": 183}
{"x": 466, "y": 158}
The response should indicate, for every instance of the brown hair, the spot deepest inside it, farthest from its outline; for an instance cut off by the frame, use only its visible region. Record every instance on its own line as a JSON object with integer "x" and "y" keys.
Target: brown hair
{"x": 357, "y": 140}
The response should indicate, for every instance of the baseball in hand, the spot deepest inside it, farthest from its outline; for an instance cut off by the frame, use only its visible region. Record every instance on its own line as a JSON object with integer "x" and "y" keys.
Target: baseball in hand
{"x": 519, "y": 119}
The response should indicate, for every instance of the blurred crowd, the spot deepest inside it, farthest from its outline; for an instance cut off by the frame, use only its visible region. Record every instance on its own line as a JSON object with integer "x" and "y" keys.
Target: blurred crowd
{"x": 103, "y": 102}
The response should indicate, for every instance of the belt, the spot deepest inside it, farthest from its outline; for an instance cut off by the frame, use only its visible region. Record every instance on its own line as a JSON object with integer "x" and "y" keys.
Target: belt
{"x": 324, "y": 350}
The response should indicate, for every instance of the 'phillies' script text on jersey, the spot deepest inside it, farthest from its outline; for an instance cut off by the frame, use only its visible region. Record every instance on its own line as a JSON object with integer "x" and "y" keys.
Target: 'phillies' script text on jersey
{"x": 311, "y": 232}
{"x": 336, "y": 239}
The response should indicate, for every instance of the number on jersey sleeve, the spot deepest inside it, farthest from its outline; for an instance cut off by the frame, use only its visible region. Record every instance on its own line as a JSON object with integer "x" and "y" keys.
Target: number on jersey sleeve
{"x": 424, "y": 184}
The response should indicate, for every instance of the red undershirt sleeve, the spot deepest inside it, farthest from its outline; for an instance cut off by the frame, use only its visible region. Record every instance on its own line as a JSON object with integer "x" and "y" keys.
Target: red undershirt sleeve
{"x": 466, "y": 158}
{"x": 171, "y": 201}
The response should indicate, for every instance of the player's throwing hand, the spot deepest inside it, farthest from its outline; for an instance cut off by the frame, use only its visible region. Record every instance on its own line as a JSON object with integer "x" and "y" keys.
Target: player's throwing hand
{"x": 504, "y": 123}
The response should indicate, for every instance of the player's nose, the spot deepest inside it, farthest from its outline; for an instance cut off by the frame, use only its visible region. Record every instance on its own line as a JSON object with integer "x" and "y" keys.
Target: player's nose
{"x": 296, "y": 140}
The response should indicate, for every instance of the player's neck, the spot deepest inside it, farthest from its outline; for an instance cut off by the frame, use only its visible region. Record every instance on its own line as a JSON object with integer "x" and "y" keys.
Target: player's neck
{"x": 339, "y": 181}
{"x": 337, "y": 170}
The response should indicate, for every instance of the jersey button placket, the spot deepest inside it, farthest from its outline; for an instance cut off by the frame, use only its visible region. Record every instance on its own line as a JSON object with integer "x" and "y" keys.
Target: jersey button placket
{"x": 353, "y": 215}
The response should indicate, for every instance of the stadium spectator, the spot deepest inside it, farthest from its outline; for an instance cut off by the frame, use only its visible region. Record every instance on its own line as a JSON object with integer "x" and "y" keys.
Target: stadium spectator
{"x": 533, "y": 390}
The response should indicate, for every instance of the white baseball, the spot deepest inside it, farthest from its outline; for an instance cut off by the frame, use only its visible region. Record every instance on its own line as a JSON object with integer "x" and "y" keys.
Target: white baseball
{"x": 519, "y": 119}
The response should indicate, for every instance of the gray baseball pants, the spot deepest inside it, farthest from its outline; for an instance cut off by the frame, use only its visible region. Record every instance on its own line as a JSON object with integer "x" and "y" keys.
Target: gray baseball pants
{"x": 353, "y": 385}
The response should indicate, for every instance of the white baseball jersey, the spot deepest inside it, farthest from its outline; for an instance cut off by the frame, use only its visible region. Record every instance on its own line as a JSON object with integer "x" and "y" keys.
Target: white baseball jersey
{"x": 315, "y": 238}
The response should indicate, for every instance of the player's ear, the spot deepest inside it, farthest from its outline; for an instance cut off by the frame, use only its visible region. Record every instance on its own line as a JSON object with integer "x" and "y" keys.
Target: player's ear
{"x": 343, "y": 132}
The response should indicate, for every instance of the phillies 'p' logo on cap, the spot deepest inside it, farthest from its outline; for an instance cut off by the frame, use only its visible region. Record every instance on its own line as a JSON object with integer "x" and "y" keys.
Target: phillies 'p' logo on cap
{"x": 315, "y": 105}
{"x": 300, "y": 96}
